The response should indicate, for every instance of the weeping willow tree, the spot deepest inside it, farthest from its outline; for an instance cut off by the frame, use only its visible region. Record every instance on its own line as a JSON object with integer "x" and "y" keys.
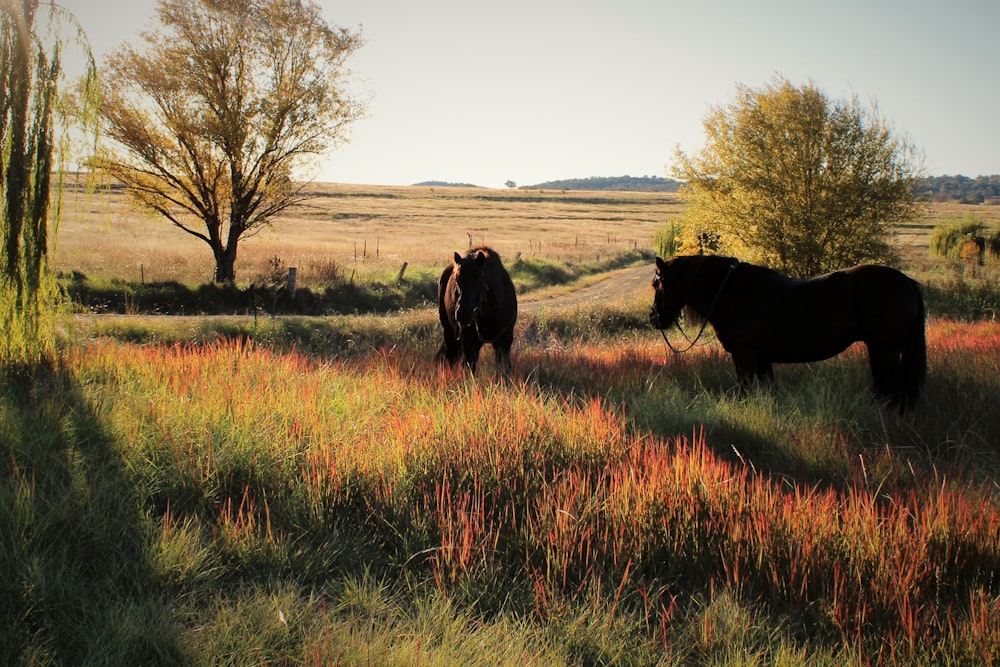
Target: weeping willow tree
{"x": 34, "y": 140}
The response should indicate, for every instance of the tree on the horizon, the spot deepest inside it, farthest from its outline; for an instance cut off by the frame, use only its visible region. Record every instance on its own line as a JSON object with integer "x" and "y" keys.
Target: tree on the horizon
{"x": 963, "y": 189}
{"x": 213, "y": 118}
{"x": 794, "y": 180}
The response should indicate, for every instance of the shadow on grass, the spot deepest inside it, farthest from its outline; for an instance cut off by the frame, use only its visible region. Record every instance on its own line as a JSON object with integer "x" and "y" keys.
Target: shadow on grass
{"x": 76, "y": 586}
{"x": 756, "y": 428}
{"x": 818, "y": 425}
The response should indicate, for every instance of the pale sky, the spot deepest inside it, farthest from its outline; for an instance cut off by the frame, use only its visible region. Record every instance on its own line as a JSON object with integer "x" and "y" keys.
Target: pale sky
{"x": 538, "y": 90}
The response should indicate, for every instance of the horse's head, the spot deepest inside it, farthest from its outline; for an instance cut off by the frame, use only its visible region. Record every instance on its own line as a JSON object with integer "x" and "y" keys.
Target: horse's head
{"x": 667, "y": 300}
{"x": 470, "y": 285}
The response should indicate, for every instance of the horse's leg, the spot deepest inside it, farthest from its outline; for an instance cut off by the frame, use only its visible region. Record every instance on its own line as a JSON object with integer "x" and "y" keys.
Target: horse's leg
{"x": 746, "y": 370}
{"x": 751, "y": 366}
{"x": 501, "y": 351}
{"x": 764, "y": 372}
{"x": 471, "y": 346}
{"x": 752, "y": 371}
{"x": 886, "y": 372}
{"x": 913, "y": 366}
{"x": 450, "y": 351}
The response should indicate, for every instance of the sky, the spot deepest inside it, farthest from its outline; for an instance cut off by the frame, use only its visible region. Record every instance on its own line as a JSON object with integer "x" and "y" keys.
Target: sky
{"x": 530, "y": 91}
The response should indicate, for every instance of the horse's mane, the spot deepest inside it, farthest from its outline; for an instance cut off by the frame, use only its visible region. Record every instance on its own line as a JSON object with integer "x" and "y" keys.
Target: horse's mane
{"x": 692, "y": 316}
{"x": 492, "y": 268}
{"x": 696, "y": 265}
{"x": 491, "y": 254}
{"x": 493, "y": 271}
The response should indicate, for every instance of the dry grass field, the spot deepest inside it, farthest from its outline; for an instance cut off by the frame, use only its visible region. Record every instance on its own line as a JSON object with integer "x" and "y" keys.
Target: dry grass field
{"x": 364, "y": 230}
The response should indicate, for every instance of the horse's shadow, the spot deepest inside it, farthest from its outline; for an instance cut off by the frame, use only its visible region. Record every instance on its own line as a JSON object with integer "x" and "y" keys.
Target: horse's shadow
{"x": 819, "y": 424}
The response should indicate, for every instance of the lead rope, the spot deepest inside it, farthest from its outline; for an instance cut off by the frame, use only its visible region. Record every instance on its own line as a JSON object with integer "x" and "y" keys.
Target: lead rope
{"x": 711, "y": 309}
{"x": 691, "y": 343}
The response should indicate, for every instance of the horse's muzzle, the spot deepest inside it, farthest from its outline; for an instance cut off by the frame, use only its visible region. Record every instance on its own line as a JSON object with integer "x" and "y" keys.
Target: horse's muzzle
{"x": 465, "y": 315}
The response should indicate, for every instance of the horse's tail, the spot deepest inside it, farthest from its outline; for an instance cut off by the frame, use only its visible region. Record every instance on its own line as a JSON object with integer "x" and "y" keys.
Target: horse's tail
{"x": 914, "y": 357}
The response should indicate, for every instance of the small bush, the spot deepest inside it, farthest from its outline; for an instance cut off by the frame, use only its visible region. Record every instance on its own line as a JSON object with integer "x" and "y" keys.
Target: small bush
{"x": 326, "y": 272}
{"x": 668, "y": 239}
{"x": 965, "y": 240}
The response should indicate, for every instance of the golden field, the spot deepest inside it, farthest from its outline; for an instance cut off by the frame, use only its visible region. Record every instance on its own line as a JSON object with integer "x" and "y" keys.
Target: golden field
{"x": 367, "y": 230}
{"x": 364, "y": 229}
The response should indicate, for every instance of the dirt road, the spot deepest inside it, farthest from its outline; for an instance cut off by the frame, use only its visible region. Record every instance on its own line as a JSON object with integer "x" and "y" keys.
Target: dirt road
{"x": 618, "y": 286}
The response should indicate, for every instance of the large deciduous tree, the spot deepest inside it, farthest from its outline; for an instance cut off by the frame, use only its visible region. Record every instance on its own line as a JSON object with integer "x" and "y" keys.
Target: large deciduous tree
{"x": 33, "y": 118}
{"x": 797, "y": 181}
{"x": 210, "y": 122}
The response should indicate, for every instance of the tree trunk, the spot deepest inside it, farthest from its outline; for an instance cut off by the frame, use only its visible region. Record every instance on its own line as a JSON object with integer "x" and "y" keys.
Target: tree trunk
{"x": 225, "y": 264}
{"x": 225, "y": 257}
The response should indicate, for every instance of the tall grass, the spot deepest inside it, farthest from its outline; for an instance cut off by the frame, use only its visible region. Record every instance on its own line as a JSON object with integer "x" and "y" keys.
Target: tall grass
{"x": 607, "y": 504}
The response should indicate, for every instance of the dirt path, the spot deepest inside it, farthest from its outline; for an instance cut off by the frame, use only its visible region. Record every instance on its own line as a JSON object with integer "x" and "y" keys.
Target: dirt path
{"x": 617, "y": 286}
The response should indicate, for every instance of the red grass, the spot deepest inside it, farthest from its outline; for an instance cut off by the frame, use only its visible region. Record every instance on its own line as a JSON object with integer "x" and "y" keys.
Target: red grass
{"x": 506, "y": 481}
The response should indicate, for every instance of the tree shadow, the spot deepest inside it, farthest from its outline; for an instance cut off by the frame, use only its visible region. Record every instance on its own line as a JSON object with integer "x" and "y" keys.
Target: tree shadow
{"x": 77, "y": 584}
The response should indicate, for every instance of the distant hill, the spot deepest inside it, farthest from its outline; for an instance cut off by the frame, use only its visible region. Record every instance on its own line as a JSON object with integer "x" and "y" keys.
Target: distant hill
{"x": 931, "y": 188}
{"x": 445, "y": 184}
{"x": 621, "y": 183}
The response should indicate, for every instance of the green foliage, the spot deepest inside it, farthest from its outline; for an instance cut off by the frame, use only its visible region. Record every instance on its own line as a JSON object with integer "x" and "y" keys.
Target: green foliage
{"x": 668, "y": 239}
{"x": 531, "y": 273}
{"x": 799, "y": 182}
{"x": 337, "y": 294}
{"x": 588, "y": 323}
{"x": 75, "y": 583}
{"x": 379, "y": 295}
{"x": 965, "y": 300}
{"x": 965, "y": 240}
{"x": 31, "y": 116}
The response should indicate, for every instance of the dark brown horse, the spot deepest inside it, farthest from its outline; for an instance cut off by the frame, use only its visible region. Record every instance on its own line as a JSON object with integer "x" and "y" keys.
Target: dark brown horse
{"x": 477, "y": 305}
{"x": 762, "y": 317}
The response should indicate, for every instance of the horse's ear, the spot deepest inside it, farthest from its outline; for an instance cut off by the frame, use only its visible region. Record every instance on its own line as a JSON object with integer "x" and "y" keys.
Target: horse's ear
{"x": 458, "y": 258}
{"x": 480, "y": 258}
{"x": 660, "y": 264}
